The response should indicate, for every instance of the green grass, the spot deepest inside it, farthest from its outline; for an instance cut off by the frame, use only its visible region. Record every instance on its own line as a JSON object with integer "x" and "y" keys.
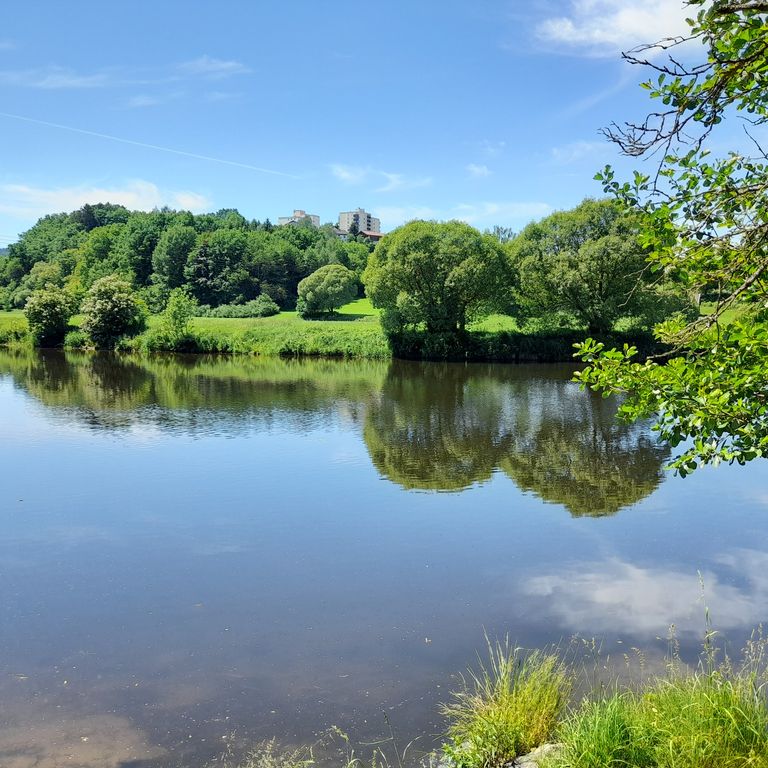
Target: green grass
{"x": 495, "y": 323}
{"x": 353, "y": 332}
{"x": 693, "y": 721}
{"x": 507, "y": 708}
{"x": 712, "y": 716}
{"x": 730, "y": 314}
{"x": 13, "y": 328}
{"x": 715, "y": 716}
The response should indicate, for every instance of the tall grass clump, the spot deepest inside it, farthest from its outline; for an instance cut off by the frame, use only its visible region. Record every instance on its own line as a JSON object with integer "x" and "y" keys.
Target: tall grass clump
{"x": 715, "y": 716}
{"x": 603, "y": 733}
{"x": 508, "y": 707}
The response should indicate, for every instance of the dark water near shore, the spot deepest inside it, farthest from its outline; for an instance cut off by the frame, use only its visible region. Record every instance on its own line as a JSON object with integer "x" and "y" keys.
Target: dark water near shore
{"x": 192, "y": 548}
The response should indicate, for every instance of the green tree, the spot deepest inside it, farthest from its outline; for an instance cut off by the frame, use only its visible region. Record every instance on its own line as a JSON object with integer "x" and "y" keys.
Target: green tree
{"x": 110, "y": 311}
{"x": 42, "y": 274}
{"x": 48, "y": 311}
{"x": 178, "y": 314}
{"x": 137, "y": 243}
{"x": 49, "y": 236}
{"x": 705, "y": 222}
{"x": 437, "y": 274}
{"x": 327, "y": 289}
{"x": 170, "y": 256}
{"x": 216, "y": 270}
{"x": 587, "y": 263}
{"x": 97, "y": 256}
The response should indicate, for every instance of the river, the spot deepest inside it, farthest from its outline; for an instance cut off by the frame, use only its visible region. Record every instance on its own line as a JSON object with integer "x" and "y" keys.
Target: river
{"x": 197, "y": 552}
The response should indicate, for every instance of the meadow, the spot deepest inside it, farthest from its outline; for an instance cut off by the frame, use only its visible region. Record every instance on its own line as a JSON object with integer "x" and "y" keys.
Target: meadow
{"x": 354, "y": 331}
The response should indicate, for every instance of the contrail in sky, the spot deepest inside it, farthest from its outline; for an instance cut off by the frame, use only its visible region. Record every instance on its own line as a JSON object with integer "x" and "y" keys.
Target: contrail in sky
{"x": 148, "y": 146}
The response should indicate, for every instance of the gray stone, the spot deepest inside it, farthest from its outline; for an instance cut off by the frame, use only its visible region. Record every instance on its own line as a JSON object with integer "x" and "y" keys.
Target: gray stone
{"x": 532, "y": 759}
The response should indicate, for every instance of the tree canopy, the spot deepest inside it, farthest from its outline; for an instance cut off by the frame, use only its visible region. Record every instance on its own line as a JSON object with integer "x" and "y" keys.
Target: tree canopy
{"x": 221, "y": 258}
{"x": 586, "y": 263}
{"x": 326, "y": 289}
{"x": 705, "y": 224}
{"x": 110, "y": 311}
{"x": 437, "y": 274}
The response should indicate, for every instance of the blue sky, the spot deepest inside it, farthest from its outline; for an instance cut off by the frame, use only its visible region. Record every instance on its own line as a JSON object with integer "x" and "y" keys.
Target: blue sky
{"x": 486, "y": 111}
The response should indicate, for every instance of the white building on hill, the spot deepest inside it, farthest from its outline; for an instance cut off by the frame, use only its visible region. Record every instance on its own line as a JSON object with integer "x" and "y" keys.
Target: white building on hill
{"x": 299, "y": 215}
{"x": 362, "y": 219}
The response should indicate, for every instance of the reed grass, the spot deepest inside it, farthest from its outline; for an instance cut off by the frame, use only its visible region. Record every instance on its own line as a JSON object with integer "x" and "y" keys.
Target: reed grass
{"x": 507, "y": 707}
{"x": 715, "y": 716}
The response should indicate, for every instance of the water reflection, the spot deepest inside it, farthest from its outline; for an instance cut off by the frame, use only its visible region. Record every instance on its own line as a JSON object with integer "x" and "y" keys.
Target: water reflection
{"x": 190, "y": 394}
{"x": 446, "y": 427}
{"x": 615, "y": 595}
{"x": 426, "y": 426}
{"x": 191, "y": 547}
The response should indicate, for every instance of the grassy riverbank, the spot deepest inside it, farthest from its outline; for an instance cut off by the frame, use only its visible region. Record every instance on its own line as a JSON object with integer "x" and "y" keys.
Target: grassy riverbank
{"x": 714, "y": 715}
{"x": 353, "y": 332}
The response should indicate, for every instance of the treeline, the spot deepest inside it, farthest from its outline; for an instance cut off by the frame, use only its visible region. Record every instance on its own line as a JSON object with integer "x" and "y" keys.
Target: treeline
{"x": 221, "y": 258}
{"x": 575, "y": 273}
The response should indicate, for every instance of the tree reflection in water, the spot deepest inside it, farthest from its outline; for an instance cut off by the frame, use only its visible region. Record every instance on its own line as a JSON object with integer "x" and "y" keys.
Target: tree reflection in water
{"x": 427, "y": 426}
{"x": 446, "y": 427}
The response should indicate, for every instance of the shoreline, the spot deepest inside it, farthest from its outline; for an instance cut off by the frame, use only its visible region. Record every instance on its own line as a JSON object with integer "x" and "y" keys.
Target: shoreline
{"x": 349, "y": 340}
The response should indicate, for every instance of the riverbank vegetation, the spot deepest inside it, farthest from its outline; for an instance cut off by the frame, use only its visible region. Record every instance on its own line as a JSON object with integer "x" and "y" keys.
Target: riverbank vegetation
{"x": 714, "y": 715}
{"x": 438, "y": 290}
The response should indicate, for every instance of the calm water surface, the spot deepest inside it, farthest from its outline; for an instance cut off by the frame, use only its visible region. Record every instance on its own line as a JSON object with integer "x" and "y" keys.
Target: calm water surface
{"x": 195, "y": 548}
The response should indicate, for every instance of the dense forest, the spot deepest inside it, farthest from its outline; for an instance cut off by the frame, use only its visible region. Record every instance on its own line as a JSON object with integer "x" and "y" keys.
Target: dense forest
{"x": 222, "y": 257}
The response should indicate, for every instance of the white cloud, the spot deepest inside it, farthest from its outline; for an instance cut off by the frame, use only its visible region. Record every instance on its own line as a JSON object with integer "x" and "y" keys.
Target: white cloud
{"x": 478, "y": 171}
{"x": 27, "y": 202}
{"x": 616, "y": 595}
{"x": 213, "y": 68}
{"x": 576, "y": 151}
{"x": 492, "y": 148}
{"x": 356, "y": 174}
{"x": 350, "y": 174}
{"x": 394, "y": 215}
{"x": 499, "y": 212}
{"x": 52, "y": 78}
{"x": 142, "y": 100}
{"x": 400, "y": 181}
{"x": 603, "y": 27}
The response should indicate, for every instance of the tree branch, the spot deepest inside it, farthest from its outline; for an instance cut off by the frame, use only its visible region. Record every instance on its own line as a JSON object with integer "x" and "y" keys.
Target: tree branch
{"x": 750, "y": 5}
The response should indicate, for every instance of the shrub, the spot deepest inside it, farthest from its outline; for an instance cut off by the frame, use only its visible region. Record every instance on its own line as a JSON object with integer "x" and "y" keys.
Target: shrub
{"x": 264, "y": 306}
{"x": 326, "y": 289}
{"x": 261, "y": 306}
{"x": 110, "y": 311}
{"x": 48, "y": 311}
{"x": 178, "y": 313}
{"x": 507, "y": 708}
{"x": 6, "y": 298}
{"x": 76, "y": 340}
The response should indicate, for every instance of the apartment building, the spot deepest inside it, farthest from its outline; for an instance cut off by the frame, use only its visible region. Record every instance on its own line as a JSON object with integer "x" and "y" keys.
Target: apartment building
{"x": 363, "y": 221}
{"x": 299, "y": 215}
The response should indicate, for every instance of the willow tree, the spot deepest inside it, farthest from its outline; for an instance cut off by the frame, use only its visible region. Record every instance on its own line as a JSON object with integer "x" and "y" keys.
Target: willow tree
{"x": 706, "y": 226}
{"x": 436, "y": 275}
